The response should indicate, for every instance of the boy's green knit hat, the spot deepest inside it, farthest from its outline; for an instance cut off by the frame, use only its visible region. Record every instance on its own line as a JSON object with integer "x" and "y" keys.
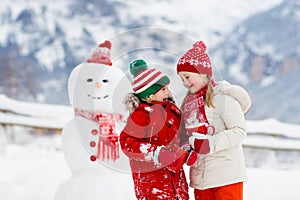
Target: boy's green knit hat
{"x": 146, "y": 81}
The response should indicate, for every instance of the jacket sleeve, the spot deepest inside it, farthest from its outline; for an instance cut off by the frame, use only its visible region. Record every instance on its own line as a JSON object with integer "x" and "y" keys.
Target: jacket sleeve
{"x": 132, "y": 137}
{"x": 233, "y": 118}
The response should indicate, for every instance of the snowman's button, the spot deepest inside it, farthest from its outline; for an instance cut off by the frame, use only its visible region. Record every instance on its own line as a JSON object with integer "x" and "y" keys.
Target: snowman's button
{"x": 93, "y": 158}
{"x": 92, "y": 143}
{"x": 94, "y": 132}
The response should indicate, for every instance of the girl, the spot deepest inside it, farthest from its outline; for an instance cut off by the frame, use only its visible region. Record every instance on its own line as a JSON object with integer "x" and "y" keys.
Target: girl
{"x": 151, "y": 138}
{"x": 220, "y": 170}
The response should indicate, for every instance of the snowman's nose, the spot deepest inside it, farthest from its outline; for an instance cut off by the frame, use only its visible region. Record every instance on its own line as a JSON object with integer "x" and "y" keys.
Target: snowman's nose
{"x": 98, "y": 84}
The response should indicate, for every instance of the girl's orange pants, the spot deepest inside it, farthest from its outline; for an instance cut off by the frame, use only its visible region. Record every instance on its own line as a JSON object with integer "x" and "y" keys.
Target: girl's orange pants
{"x": 226, "y": 192}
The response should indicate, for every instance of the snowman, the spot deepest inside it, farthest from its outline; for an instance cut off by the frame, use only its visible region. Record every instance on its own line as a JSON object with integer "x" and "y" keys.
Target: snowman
{"x": 90, "y": 140}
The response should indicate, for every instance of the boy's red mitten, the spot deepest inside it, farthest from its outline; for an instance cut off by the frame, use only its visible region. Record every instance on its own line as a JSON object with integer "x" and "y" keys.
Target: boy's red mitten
{"x": 172, "y": 157}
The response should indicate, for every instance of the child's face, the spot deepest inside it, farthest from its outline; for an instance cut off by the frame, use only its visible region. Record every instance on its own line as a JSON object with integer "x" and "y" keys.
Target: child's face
{"x": 193, "y": 81}
{"x": 162, "y": 95}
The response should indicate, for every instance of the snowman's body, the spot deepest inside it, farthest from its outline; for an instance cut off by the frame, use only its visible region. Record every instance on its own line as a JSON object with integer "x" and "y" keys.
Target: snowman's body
{"x": 99, "y": 179}
{"x": 90, "y": 180}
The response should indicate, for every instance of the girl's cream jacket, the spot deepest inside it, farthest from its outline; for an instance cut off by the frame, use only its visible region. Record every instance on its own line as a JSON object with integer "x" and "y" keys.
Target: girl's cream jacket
{"x": 226, "y": 164}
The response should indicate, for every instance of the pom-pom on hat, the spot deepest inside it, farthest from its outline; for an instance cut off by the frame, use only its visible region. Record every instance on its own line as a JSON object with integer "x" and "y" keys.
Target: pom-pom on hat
{"x": 195, "y": 60}
{"x": 146, "y": 81}
{"x": 106, "y": 44}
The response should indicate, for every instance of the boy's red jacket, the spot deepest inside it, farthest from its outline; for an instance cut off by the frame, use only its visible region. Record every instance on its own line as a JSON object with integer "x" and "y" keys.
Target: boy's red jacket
{"x": 148, "y": 127}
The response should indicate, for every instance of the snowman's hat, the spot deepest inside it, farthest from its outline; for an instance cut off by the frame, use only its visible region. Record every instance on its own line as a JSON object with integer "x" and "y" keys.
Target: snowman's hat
{"x": 101, "y": 54}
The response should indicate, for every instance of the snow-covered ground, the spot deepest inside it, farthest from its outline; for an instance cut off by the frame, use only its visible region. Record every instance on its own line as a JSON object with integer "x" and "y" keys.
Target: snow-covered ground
{"x": 33, "y": 166}
{"x": 35, "y": 170}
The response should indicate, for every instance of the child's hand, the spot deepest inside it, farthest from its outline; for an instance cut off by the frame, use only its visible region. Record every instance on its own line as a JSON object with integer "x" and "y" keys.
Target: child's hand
{"x": 202, "y": 144}
{"x": 192, "y": 158}
{"x": 210, "y": 130}
{"x": 172, "y": 157}
{"x": 205, "y": 129}
{"x": 199, "y": 143}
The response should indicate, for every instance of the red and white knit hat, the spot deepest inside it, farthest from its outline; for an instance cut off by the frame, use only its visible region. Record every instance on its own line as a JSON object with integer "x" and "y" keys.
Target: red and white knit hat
{"x": 195, "y": 60}
{"x": 146, "y": 81}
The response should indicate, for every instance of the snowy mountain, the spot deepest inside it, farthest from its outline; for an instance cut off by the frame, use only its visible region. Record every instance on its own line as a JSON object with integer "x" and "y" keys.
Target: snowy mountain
{"x": 41, "y": 42}
{"x": 264, "y": 45}
{"x": 263, "y": 54}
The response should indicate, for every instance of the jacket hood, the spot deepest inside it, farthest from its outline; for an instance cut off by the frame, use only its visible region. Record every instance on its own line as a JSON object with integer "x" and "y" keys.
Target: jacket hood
{"x": 235, "y": 91}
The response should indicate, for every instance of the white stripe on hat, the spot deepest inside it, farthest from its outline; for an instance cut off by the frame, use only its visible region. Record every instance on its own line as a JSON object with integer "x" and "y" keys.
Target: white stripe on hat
{"x": 144, "y": 72}
{"x": 147, "y": 75}
{"x": 144, "y": 75}
{"x": 149, "y": 84}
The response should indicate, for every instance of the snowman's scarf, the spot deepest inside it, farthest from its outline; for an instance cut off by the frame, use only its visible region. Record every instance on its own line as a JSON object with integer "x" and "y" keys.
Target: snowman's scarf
{"x": 108, "y": 145}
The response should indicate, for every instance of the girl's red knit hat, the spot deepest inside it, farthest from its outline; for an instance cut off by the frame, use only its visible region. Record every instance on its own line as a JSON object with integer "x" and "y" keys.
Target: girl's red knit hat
{"x": 195, "y": 60}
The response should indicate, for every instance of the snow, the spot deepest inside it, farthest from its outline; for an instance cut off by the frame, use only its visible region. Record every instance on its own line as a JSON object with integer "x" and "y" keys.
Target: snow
{"x": 274, "y": 127}
{"x": 35, "y": 169}
{"x": 271, "y": 184}
{"x": 32, "y": 171}
{"x": 33, "y": 114}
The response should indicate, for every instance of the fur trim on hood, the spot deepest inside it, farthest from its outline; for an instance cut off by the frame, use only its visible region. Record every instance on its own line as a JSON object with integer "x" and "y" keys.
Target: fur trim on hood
{"x": 131, "y": 102}
{"x": 235, "y": 91}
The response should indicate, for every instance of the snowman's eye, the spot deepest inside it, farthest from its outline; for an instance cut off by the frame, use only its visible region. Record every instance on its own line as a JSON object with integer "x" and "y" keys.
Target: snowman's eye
{"x": 89, "y": 80}
{"x": 105, "y": 80}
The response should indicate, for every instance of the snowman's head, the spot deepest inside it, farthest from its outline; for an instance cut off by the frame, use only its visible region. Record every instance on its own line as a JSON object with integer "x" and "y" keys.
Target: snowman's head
{"x": 96, "y": 85}
{"x": 72, "y": 81}
{"x": 98, "y": 88}
{"x": 85, "y": 85}
{"x": 111, "y": 88}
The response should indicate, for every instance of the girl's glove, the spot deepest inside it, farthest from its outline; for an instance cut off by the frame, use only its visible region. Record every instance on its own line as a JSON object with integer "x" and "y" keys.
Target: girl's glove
{"x": 202, "y": 144}
{"x": 192, "y": 158}
{"x": 203, "y": 128}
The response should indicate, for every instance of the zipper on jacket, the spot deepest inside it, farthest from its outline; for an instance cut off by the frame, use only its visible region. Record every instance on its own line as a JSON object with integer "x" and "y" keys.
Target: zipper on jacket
{"x": 172, "y": 183}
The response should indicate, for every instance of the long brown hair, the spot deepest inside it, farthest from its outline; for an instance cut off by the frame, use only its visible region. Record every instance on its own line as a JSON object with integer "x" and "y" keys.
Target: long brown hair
{"x": 208, "y": 96}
